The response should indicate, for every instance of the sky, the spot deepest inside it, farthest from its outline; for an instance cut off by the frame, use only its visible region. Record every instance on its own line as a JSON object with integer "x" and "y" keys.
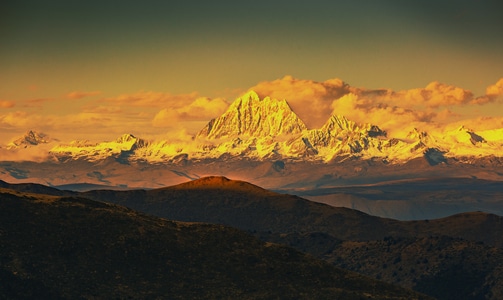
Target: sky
{"x": 162, "y": 69}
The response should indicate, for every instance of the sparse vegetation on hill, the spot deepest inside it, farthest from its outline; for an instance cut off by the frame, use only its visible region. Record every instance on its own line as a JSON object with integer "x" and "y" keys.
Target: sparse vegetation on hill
{"x": 443, "y": 267}
{"x": 74, "y": 248}
{"x": 345, "y": 237}
{"x": 464, "y": 248}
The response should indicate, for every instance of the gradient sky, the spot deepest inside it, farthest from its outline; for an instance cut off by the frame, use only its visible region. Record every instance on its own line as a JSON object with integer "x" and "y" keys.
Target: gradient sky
{"x": 95, "y": 69}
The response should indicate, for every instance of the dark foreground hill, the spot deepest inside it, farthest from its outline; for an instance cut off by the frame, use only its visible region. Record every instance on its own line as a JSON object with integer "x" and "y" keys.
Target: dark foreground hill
{"x": 54, "y": 247}
{"x": 249, "y": 207}
{"x": 434, "y": 257}
{"x": 34, "y": 188}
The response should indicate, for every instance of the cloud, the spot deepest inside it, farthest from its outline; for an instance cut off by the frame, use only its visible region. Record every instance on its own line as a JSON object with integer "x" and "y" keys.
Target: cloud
{"x": 396, "y": 120}
{"x": 38, "y": 102}
{"x": 165, "y": 118}
{"x": 7, "y": 104}
{"x": 38, "y": 153}
{"x": 83, "y": 125}
{"x": 201, "y": 109}
{"x": 309, "y": 99}
{"x": 479, "y": 124}
{"x": 493, "y": 93}
{"x": 102, "y": 109}
{"x": 314, "y": 101}
{"x": 105, "y": 119}
{"x": 434, "y": 95}
{"x": 430, "y": 106}
{"x": 80, "y": 94}
{"x": 153, "y": 99}
{"x": 16, "y": 119}
{"x": 446, "y": 115}
{"x": 495, "y": 89}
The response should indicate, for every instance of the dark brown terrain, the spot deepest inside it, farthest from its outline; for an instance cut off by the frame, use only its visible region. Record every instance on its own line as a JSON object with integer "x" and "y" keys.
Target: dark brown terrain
{"x": 62, "y": 247}
{"x": 430, "y": 256}
{"x": 457, "y": 257}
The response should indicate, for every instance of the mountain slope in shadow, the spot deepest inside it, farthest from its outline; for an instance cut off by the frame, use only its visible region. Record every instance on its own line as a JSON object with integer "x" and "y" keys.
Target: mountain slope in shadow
{"x": 246, "y": 206}
{"x": 69, "y": 247}
{"x": 335, "y": 234}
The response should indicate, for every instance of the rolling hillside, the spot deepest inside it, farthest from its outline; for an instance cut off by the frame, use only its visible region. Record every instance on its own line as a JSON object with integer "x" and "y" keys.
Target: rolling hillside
{"x": 56, "y": 247}
{"x": 466, "y": 247}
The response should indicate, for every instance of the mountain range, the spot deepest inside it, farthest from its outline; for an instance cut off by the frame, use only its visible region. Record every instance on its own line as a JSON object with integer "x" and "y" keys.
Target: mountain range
{"x": 268, "y": 128}
{"x": 263, "y": 141}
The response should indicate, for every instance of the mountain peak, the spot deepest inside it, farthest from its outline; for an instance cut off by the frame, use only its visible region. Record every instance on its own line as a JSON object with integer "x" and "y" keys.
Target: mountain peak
{"x": 415, "y": 134}
{"x": 30, "y": 138}
{"x": 252, "y": 95}
{"x": 211, "y": 180}
{"x": 339, "y": 123}
{"x": 125, "y": 138}
{"x": 463, "y": 134}
{"x": 251, "y": 116}
{"x": 219, "y": 182}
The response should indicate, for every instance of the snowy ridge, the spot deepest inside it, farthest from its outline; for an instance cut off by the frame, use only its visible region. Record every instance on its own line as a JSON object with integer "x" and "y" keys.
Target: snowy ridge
{"x": 268, "y": 129}
{"x": 98, "y": 151}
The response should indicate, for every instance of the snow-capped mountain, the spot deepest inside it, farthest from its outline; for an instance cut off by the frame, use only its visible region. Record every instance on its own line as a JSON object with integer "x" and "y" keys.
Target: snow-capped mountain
{"x": 29, "y": 139}
{"x": 268, "y": 128}
{"x": 123, "y": 146}
{"x": 340, "y": 136}
{"x": 251, "y": 116}
{"x": 263, "y": 141}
